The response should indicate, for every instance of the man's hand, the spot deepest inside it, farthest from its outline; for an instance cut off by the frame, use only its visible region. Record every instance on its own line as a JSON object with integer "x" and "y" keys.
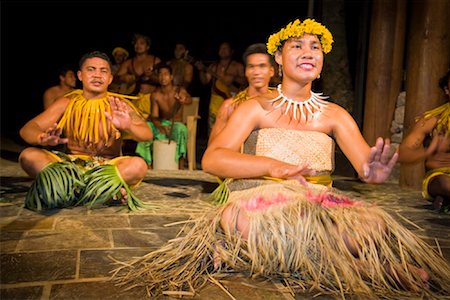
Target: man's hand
{"x": 380, "y": 163}
{"x": 52, "y": 137}
{"x": 164, "y": 129}
{"x": 120, "y": 114}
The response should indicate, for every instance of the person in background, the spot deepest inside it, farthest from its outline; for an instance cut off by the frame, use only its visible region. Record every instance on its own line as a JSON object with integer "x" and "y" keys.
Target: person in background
{"x": 259, "y": 70}
{"x": 429, "y": 141}
{"x": 119, "y": 56}
{"x": 90, "y": 122}
{"x": 167, "y": 116}
{"x": 140, "y": 68}
{"x": 67, "y": 82}
{"x": 182, "y": 68}
{"x": 226, "y": 77}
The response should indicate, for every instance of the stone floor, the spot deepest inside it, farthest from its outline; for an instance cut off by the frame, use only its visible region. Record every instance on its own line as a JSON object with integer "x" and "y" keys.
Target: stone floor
{"x": 65, "y": 254}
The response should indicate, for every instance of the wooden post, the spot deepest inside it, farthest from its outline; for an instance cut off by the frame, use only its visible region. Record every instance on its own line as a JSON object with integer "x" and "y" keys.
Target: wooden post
{"x": 384, "y": 67}
{"x": 428, "y": 60}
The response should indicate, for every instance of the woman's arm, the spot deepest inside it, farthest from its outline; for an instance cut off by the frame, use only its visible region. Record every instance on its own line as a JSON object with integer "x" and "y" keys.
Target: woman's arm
{"x": 373, "y": 164}
{"x": 223, "y": 158}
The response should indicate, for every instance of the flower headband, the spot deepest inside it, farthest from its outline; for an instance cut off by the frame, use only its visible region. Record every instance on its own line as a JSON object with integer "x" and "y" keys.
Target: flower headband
{"x": 297, "y": 29}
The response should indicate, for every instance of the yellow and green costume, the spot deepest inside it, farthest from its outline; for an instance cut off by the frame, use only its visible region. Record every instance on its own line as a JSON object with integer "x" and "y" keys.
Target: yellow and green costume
{"x": 295, "y": 237}
{"x": 442, "y": 113}
{"x": 143, "y": 104}
{"x": 82, "y": 179}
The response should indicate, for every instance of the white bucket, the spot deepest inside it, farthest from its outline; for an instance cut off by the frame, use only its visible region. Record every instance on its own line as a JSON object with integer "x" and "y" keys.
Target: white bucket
{"x": 164, "y": 155}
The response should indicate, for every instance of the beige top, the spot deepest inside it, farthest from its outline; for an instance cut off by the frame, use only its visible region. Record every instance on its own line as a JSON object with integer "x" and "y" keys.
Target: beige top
{"x": 294, "y": 146}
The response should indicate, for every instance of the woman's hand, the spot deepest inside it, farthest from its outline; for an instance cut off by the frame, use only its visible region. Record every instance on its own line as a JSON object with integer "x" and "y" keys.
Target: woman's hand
{"x": 380, "y": 163}
{"x": 287, "y": 171}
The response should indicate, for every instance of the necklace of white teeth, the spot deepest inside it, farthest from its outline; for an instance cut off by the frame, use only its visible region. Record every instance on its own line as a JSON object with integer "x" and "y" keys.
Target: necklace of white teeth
{"x": 314, "y": 102}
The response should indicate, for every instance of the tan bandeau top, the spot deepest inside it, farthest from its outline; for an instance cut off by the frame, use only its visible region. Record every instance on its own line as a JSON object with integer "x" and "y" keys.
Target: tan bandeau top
{"x": 293, "y": 146}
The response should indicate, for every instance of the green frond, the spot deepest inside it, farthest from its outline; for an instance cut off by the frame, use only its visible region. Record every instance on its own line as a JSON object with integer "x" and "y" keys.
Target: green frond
{"x": 220, "y": 195}
{"x": 104, "y": 185}
{"x": 56, "y": 186}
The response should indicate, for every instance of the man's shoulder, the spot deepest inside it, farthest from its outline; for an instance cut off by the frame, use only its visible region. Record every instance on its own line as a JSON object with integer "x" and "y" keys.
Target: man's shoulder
{"x": 52, "y": 90}
{"x": 236, "y": 63}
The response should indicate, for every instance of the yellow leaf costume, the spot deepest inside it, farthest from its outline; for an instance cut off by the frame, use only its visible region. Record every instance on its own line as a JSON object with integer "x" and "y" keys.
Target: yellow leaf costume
{"x": 83, "y": 179}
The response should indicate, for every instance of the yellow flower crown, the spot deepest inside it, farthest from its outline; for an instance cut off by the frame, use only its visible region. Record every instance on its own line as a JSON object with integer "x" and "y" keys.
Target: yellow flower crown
{"x": 297, "y": 29}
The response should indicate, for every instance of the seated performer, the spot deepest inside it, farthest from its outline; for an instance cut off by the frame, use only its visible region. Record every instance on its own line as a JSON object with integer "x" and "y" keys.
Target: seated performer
{"x": 281, "y": 220}
{"x": 433, "y": 130}
{"x": 166, "y": 116}
{"x": 258, "y": 71}
{"x": 90, "y": 122}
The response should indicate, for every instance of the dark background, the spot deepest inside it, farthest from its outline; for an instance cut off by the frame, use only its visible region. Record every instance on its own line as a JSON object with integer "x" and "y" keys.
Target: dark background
{"x": 39, "y": 37}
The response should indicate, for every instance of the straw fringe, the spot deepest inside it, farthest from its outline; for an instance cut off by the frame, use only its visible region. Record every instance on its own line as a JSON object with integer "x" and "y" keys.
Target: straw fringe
{"x": 298, "y": 242}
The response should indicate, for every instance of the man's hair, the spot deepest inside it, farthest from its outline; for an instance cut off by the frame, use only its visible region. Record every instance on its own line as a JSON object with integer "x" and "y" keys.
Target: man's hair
{"x": 141, "y": 36}
{"x": 443, "y": 82}
{"x": 256, "y": 48}
{"x": 163, "y": 65}
{"x": 63, "y": 71}
{"x": 93, "y": 54}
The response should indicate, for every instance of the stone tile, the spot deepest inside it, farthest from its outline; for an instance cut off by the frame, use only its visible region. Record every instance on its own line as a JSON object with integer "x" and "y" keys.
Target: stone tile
{"x": 38, "y": 266}
{"x": 155, "y": 221}
{"x": 100, "y": 263}
{"x": 133, "y": 238}
{"x": 143, "y": 237}
{"x": 78, "y": 210}
{"x": 9, "y": 241}
{"x": 30, "y": 223}
{"x": 242, "y": 288}
{"x": 95, "y": 291}
{"x": 22, "y": 293}
{"x": 9, "y": 210}
{"x": 73, "y": 239}
{"x": 91, "y": 222}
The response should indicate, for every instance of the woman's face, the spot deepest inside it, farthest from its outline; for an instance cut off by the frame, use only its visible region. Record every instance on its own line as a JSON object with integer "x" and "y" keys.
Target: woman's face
{"x": 301, "y": 57}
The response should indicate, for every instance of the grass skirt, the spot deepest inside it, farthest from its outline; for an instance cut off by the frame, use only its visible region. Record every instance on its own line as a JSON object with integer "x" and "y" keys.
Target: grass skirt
{"x": 295, "y": 236}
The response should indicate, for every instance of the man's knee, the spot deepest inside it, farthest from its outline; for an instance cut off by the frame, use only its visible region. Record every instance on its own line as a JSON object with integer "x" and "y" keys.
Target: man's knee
{"x": 439, "y": 186}
{"x": 132, "y": 169}
{"x": 33, "y": 160}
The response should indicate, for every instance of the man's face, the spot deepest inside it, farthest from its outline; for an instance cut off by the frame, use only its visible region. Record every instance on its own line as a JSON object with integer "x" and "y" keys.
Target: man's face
{"x": 70, "y": 79}
{"x": 225, "y": 50}
{"x": 259, "y": 70}
{"x": 179, "y": 51}
{"x": 120, "y": 57}
{"x": 164, "y": 76}
{"x": 141, "y": 46}
{"x": 95, "y": 74}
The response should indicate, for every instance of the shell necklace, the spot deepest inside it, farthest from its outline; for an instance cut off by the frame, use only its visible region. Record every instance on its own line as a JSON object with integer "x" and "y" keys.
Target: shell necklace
{"x": 312, "y": 105}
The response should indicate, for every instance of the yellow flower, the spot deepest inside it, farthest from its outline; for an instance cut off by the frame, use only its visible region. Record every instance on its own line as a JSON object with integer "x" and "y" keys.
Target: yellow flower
{"x": 297, "y": 29}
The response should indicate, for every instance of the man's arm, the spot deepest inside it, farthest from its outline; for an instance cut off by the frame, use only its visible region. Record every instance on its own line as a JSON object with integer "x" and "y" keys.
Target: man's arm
{"x": 221, "y": 118}
{"x": 184, "y": 97}
{"x": 41, "y": 130}
{"x": 49, "y": 97}
{"x": 188, "y": 75}
{"x": 411, "y": 148}
{"x": 154, "y": 115}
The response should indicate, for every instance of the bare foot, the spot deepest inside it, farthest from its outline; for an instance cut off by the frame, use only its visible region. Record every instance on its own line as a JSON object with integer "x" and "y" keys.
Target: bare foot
{"x": 124, "y": 199}
{"x": 404, "y": 282}
{"x": 216, "y": 256}
{"x": 437, "y": 203}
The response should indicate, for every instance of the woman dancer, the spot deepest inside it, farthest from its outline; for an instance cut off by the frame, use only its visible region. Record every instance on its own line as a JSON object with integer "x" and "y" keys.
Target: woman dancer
{"x": 280, "y": 218}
